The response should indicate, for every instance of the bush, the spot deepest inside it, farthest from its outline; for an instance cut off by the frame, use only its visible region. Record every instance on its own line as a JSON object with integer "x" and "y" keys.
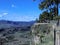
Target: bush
{"x": 11, "y": 37}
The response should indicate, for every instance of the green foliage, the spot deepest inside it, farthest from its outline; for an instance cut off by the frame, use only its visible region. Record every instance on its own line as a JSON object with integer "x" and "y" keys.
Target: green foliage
{"x": 51, "y": 6}
{"x": 2, "y": 41}
{"x": 45, "y": 16}
{"x": 10, "y": 38}
{"x": 56, "y": 18}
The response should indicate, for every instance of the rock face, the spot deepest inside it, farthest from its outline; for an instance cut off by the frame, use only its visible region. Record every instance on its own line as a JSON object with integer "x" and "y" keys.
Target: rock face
{"x": 42, "y": 34}
{"x": 57, "y": 28}
{"x": 48, "y": 33}
{"x": 57, "y": 33}
{"x": 36, "y": 40}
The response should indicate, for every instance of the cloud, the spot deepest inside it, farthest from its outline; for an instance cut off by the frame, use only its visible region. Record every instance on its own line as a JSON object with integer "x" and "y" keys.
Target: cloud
{"x": 4, "y": 13}
{"x": 12, "y": 5}
{"x": 1, "y": 15}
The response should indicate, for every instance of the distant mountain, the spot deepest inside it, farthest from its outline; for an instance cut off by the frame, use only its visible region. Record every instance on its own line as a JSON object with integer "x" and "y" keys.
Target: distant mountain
{"x": 8, "y": 24}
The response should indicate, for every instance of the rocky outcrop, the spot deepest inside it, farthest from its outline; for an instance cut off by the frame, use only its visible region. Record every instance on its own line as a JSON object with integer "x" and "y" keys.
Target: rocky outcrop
{"x": 42, "y": 34}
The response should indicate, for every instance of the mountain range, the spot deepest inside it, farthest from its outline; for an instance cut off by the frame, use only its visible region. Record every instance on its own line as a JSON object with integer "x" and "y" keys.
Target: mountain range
{"x": 8, "y": 24}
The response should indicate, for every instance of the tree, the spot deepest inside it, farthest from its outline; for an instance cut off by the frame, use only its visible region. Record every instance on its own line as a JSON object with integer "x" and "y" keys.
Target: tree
{"x": 50, "y": 6}
{"x": 45, "y": 16}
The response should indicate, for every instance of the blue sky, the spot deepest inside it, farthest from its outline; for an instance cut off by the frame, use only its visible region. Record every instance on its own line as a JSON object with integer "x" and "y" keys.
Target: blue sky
{"x": 19, "y": 10}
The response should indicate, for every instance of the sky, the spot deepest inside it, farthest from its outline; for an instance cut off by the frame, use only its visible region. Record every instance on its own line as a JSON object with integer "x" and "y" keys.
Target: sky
{"x": 19, "y": 10}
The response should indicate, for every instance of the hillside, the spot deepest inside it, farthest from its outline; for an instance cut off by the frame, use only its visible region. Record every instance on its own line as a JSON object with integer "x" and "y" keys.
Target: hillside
{"x": 15, "y": 33}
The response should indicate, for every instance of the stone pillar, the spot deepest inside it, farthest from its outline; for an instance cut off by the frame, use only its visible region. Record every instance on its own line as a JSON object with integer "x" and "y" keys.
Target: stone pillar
{"x": 57, "y": 38}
